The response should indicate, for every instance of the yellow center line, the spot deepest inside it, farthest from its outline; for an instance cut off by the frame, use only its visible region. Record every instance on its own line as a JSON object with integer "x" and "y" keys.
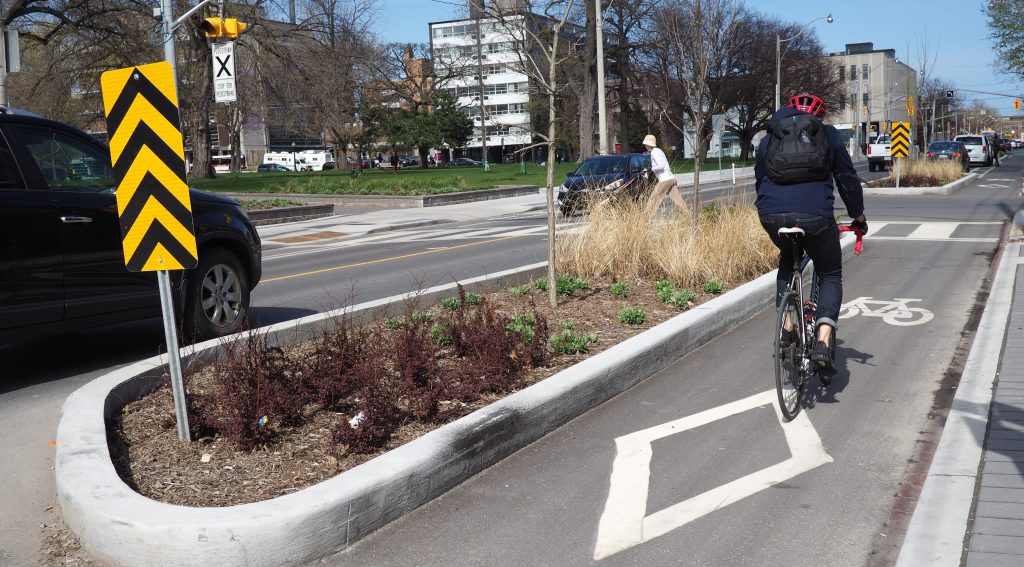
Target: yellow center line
{"x": 381, "y": 260}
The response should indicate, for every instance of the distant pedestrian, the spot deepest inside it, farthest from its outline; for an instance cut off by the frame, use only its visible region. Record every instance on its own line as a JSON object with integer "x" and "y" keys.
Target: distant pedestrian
{"x": 667, "y": 184}
{"x": 394, "y": 163}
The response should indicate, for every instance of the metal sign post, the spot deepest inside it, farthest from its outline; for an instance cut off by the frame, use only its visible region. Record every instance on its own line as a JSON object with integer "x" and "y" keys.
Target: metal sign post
{"x": 153, "y": 205}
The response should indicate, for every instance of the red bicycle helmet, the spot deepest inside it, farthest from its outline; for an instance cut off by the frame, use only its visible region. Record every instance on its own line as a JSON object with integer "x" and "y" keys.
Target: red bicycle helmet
{"x": 808, "y": 103}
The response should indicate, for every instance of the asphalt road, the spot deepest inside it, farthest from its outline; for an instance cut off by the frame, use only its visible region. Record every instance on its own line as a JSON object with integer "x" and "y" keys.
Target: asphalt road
{"x": 298, "y": 280}
{"x": 551, "y": 504}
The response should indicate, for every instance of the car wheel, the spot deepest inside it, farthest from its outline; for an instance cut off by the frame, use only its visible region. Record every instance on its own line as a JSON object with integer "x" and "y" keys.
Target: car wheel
{"x": 871, "y": 167}
{"x": 217, "y": 301}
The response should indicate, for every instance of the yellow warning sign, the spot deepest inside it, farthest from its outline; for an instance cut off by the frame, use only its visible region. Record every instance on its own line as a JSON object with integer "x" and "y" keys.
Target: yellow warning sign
{"x": 148, "y": 157}
{"x": 900, "y": 146}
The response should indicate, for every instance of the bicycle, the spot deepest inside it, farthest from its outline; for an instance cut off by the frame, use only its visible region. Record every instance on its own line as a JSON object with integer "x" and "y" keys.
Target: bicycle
{"x": 793, "y": 365}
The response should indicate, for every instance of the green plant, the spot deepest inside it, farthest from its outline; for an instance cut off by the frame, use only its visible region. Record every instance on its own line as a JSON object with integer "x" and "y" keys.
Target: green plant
{"x": 523, "y": 325}
{"x": 439, "y": 332}
{"x": 682, "y": 298}
{"x": 451, "y": 303}
{"x": 713, "y": 286}
{"x": 664, "y": 289}
{"x": 566, "y": 325}
{"x": 633, "y": 316}
{"x": 520, "y": 291}
{"x": 393, "y": 322}
{"x": 421, "y": 316}
{"x": 570, "y": 342}
{"x": 473, "y": 299}
{"x": 620, "y": 289}
{"x": 566, "y": 284}
{"x": 541, "y": 284}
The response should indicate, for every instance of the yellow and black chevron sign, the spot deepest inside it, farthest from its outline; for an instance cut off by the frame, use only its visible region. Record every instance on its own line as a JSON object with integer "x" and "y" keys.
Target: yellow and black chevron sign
{"x": 148, "y": 157}
{"x": 900, "y": 147}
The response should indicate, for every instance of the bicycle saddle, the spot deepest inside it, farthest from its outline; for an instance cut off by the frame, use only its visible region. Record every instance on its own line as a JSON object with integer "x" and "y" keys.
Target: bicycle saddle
{"x": 790, "y": 232}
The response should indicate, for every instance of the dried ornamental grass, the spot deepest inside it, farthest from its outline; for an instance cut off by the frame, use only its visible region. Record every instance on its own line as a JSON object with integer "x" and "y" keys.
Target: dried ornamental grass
{"x": 622, "y": 242}
{"x": 924, "y": 173}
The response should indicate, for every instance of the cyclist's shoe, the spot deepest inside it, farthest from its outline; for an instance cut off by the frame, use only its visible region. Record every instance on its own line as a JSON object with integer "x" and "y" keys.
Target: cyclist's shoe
{"x": 822, "y": 357}
{"x": 787, "y": 338}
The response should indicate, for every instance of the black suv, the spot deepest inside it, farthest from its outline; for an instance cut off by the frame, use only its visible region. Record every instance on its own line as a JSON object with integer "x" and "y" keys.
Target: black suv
{"x": 625, "y": 175}
{"x": 61, "y": 261}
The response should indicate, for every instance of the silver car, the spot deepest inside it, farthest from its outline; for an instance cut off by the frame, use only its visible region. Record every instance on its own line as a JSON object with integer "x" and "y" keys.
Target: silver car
{"x": 979, "y": 147}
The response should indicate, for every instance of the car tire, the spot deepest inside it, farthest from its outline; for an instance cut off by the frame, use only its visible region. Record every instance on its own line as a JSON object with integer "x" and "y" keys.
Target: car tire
{"x": 871, "y": 167}
{"x": 217, "y": 299}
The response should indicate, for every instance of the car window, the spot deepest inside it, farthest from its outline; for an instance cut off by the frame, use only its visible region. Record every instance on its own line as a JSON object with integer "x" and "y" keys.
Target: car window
{"x": 972, "y": 140}
{"x": 636, "y": 162}
{"x": 604, "y": 165}
{"x": 935, "y": 146}
{"x": 10, "y": 175}
{"x": 68, "y": 163}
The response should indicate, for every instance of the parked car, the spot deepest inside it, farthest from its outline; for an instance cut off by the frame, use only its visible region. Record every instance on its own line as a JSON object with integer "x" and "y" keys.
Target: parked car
{"x": 367, "y": 163}
{"x": 621, "y": 175}
{"x": 408, "y": 161}
{"x": 979, "y": 148}
{"x": 946, "y": 150}
{"x": 62, "y": 267}
{"x": 271, "y": 168}
{"x": 328, "y": 165}
{"x": 464, "y": 161}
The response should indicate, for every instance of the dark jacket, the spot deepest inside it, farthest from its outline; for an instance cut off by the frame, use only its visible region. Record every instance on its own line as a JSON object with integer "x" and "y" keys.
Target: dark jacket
{"x": 814, "y": 196}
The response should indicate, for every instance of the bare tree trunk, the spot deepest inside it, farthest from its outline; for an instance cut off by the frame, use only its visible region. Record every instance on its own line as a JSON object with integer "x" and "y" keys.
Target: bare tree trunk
{"x": 552, "y": 297}
{"x": 588, "y": 92}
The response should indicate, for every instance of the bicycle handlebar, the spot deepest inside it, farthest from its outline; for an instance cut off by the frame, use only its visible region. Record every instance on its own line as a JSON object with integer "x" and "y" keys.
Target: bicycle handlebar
{"x": 859, "y": 246}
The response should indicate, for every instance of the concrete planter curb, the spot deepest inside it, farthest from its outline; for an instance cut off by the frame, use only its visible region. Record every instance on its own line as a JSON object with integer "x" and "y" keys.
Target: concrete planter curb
{"x": 263, "y": 217}
{"x": 946, "y": 189}
{"x": 398, "y": 201}
{"x": 125, "y": 528}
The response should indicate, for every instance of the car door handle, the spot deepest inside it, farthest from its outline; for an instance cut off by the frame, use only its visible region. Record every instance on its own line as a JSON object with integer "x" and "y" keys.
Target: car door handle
{"x": 70, "y": 220}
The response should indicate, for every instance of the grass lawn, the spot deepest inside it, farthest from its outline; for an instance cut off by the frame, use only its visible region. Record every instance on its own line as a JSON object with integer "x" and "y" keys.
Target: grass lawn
{"x": 409, "y": 181}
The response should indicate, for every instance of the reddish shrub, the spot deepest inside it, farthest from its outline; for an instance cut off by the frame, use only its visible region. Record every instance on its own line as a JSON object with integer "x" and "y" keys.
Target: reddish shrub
{"x": 376, "y": 412}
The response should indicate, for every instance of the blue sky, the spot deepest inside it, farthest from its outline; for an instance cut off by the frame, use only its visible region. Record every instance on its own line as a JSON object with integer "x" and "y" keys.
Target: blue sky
{"x": 954, "y": 30}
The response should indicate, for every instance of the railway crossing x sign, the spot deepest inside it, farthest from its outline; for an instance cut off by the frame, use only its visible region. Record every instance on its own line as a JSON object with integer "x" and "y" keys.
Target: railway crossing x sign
{"x": 148, "y": 157}
{"x": 900, "y": 146}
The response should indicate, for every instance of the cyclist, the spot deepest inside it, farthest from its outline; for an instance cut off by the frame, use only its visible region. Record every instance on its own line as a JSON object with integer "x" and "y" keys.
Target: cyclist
{"x": 799, "y": 163}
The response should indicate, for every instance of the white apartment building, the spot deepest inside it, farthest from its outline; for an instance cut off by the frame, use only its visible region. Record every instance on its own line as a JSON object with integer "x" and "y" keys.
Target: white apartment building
{"x": 490, "y": 50}
{"x": 878, "y": 88}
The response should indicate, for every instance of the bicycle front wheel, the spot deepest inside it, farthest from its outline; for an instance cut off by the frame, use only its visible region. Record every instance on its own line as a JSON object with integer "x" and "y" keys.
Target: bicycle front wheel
{"x": 788, "y": 361}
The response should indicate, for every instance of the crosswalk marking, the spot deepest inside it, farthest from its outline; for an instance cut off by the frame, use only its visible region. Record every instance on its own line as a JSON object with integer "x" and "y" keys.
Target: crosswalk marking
{"x": 933, "y": 230}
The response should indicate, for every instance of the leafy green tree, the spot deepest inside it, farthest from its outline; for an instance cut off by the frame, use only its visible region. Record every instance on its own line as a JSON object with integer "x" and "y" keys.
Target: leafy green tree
{"x": 1006, "y": 22}
{"x": 455, "y": 127}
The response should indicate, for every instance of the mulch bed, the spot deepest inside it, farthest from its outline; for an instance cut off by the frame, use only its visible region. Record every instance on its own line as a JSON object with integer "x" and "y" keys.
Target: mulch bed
{"x": 211, "y": 472}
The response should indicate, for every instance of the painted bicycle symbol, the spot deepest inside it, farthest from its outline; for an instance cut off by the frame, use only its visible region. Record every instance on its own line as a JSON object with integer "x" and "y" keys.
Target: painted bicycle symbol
{"x": 895, "y": 312}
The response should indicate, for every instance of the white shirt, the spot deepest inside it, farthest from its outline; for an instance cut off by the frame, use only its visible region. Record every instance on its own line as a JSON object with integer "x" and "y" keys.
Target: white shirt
{"x": 659, "y": 165}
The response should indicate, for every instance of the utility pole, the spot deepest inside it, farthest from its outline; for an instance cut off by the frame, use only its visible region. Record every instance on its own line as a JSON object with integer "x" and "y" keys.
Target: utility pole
{"x": 480, "y": 83}
{"x": 167, "y": 27}
{"x": 602, "y": 119}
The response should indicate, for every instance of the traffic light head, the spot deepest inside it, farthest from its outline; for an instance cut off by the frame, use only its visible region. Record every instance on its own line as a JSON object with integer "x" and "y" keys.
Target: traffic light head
{"x": 233, "y": 28}
{"x": 1016, "y": 104}
{"x": 213, "y": 27}
{"x": 229, "y": 28}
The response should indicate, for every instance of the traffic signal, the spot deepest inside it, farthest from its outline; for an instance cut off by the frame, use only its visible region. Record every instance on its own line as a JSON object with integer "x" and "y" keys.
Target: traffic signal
{"x": 1016, "y": 104}
{"x": 229, "y": 28}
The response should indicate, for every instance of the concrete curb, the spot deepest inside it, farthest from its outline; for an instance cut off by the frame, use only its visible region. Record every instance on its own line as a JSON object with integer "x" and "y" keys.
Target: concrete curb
{"x": 937, "y": 528}
{"x": 946, "y": 189}
{"x": 263, "y": 217}
{"x": 398, "y": 201}
{"x": 125, "y": 528}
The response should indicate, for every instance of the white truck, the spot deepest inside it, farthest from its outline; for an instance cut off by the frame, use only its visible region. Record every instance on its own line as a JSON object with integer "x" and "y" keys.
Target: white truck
{"x": 294, "y": 161}
{"x": 879, "y": 154}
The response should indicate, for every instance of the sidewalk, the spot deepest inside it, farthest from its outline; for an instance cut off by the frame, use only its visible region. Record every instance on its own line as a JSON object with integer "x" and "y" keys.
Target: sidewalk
{"x": 972, "y": 503}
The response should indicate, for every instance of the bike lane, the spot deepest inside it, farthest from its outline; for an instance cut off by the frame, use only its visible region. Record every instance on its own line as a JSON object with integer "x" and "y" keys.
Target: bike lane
{"x": 707, "y": 499}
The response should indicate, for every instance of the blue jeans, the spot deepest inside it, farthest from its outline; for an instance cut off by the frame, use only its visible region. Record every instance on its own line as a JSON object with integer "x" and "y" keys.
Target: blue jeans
{"x": 821, "y": 242}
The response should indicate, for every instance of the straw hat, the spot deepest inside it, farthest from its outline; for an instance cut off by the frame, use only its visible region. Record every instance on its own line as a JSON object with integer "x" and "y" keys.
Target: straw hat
{"x": 650, "y": 141}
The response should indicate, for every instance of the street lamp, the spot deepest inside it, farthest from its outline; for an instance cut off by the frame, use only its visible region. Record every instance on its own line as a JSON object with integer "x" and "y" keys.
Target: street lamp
{"x": 295, "y": 165}
{"x": 778, "y": 56}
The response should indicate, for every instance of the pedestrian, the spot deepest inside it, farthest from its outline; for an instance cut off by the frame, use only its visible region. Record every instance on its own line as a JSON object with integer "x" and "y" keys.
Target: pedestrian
{"x": 667, "y": 184}
{"x": 394, "y": 162}
{"x": 799, "y": 164}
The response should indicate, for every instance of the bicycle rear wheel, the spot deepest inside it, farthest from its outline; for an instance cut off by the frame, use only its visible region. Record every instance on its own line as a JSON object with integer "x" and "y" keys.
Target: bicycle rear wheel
{"x": 789, "y": 383}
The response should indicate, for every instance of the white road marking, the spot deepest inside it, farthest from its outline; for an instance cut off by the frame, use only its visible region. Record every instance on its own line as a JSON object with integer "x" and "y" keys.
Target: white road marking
{"x": 895, "y": 312}
{"x": 624, "y": 524}
{"x": 933, "y": 230}
{"x": 904, "y": 238}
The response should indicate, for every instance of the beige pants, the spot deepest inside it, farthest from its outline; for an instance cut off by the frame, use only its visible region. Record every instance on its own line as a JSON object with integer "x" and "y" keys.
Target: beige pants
{"x": 663, "y": 188}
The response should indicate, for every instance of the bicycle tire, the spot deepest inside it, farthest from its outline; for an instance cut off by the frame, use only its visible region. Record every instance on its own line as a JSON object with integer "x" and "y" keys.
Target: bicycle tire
{"x": 789, "y": 384}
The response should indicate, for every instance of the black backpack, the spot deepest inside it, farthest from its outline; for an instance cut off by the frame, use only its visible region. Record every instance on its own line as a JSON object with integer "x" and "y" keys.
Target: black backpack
{"x": 798, "y": 151}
